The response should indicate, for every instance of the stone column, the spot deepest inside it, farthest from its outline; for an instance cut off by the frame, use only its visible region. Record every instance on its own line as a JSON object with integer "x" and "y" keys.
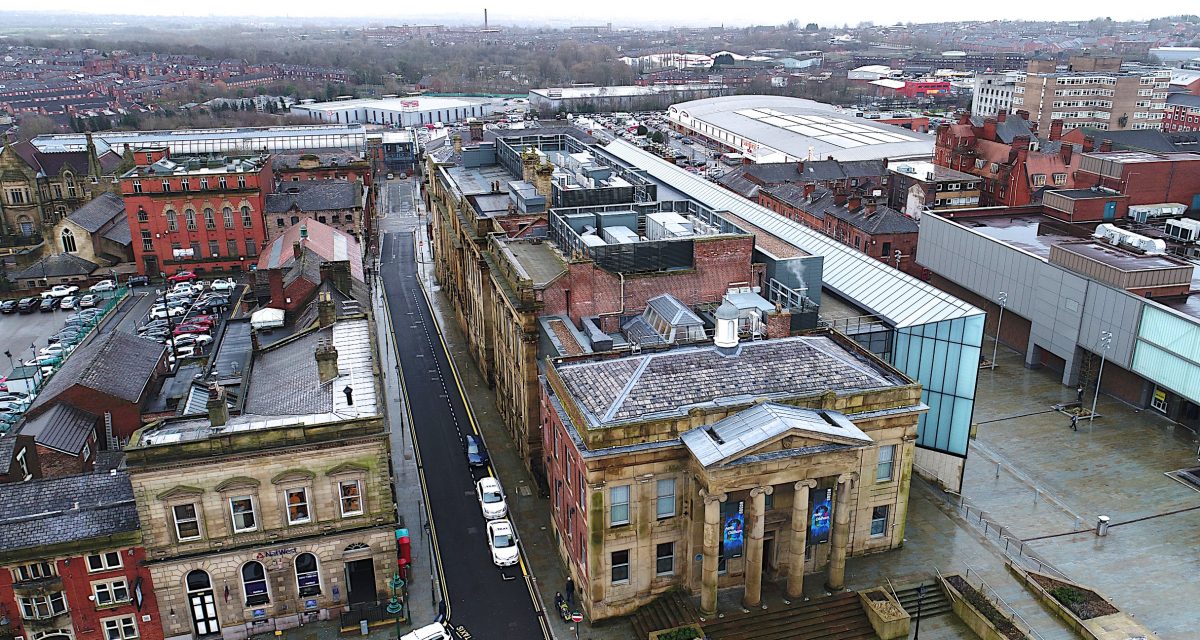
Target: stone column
{"x": 795, "y": 578}
{"x": 712, "y": 547}
{"x": 841, "y": 534}
{"x": 754, "y": 546}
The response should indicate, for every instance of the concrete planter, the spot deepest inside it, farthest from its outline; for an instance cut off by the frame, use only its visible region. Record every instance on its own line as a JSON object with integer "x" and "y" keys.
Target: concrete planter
{"x": 979, "y": 623}
{"x": 888, "y": 618}
{"x": 668, "y": 633}
{"x": 1111, "y": 626}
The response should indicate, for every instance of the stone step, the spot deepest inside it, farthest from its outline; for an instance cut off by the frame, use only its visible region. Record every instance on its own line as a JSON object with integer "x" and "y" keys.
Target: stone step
{"x": 839, "y": 617}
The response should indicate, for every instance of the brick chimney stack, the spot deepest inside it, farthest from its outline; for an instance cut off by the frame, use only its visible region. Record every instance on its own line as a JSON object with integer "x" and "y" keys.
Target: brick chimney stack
{"x": 327, "y": 361}
{"x": 809, "y": 188}
{"x": 964, "y": 117}
{"x": 839, "y": 196}
{"x": 1065, "y": 152}
{"x": 326, "y": 310}
{"x": 476, "y": 130}
{"x": 870, "y": 207}
{"x": 1105, "y": 145}
{"x": 297, "y": 250}
{"x": 1056, "y": 129}
{"x": 989, "y": 128}
{"x": 854, "y": 202}
{"x": 542, "y": 178}
{"x": 1089, "y": 144}
{"x": 218, "y": 410}
{"x": 457, "y": 140}
{"x": 1001, "y": 116}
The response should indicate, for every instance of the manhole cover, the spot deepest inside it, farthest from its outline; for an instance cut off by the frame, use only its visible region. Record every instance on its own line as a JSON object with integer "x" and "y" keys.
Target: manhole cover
{"x": 524, "y": 491}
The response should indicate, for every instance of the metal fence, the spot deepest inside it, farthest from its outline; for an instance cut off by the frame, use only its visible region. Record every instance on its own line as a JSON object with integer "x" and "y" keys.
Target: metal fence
{"x": 1012, "y": 546}
{"x": 973, "y": 578}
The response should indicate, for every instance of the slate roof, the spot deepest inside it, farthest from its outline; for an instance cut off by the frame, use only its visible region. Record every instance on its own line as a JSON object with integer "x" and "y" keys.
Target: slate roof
{"x": 284, "y": 379}
{"x": 747, "y": 179}
{"x": 52, "y": 163}
{"x": 99, "y": 212}
{"x": 885, "y": 220}
{"x": 116, "y": 363}
{"x": 1133, "y": 139}
{"x": 6, "y": 450}
{"x": 65, "y": 510}
{"x": 1184, "y": 99}
{"x": 327, "y": 157}
{"x": 729, "y": 439}
{"x": 120, "y": 233}
{"x": 311, "y": 196}
{"x": 57, "y": 266}
{"x": 1012, "y": 127}
{"x": 61, "y": 427}
{"x": 669, "y": 383}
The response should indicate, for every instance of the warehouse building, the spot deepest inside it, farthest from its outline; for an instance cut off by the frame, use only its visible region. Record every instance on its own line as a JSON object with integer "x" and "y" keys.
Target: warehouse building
{"x": 416, "y": 111}
{"x": 622, "y": 98}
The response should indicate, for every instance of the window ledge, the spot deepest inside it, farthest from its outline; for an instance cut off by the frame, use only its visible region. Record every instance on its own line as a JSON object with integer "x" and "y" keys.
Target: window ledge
{"x": 116, "y": 604}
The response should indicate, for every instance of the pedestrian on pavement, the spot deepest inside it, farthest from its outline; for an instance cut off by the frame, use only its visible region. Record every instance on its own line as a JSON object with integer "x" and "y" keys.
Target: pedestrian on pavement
{"x": 1079, "y": 395}
{"x": 1075, "y": 422}
{"x": 570, "y": 590}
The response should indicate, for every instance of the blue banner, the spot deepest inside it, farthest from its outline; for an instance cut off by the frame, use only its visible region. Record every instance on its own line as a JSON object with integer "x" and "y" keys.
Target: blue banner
{"x": 732, "y": 534}
{"x": 820, "y": 516}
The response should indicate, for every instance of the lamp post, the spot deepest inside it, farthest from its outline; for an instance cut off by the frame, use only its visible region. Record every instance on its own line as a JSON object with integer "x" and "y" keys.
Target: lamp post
{"x": 395, "y": 606}
{"x": 1105, "y": 343}
{"x": 1002, "y": 299}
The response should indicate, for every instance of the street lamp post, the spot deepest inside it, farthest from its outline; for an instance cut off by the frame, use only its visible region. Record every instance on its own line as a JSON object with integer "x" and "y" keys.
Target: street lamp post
{"x": 1105, "y": 343}
{"x": 395, "y": 606}
{"x": 1002, "y": 299}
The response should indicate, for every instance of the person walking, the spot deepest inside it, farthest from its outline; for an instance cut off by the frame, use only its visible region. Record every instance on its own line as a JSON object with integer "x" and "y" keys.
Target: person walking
{"x": 569, "y": 588}
{"x": 1075, "y": 422}
{"x": 1079, "y": 395}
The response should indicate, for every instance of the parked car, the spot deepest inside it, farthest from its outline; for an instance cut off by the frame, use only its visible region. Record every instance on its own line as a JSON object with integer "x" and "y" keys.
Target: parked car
{"x": 3, "y": 383}
{"x": 88, "y": 301}
{"x": 60, "y": 291}
{"x": 57, "y": 349}
{"x": 435, "y": 631}
{"x": 491, "y": 498}
{"x": 43, "y": 361}
{"x": 68, "y": 302}
{"x": 159, "y": 311}
{"x": 155, "y": 324}
{"x": 68, "y": 335}
{"x": 211, "y": 304}
{"x": 477, "y": 455}
{"x": 502, "y": 540}
{"x": 103, "y": 285}
{"x": 191, "y": 328}
{"x": 186, "y": 287}
{"x": 138, "y": 281}
{"x": 28, "y": 305}
{"x": 49, "y": 304}
{"x": 198, "y": 339}
{"x": 8, "y": 306}
{"x": 183, "y": 350}
{"x": 223, "y": 285}
{"x": 182, "y": 276}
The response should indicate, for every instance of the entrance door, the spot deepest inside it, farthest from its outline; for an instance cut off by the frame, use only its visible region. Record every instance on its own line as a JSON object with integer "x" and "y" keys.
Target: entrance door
{"x": 360, "y": 581}
{"x": 203, "y": 604}
{"x": 768, "y": 557}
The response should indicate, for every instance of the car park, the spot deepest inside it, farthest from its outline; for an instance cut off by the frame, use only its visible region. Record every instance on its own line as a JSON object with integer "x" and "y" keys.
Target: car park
{"x": 139, "y": 281}
{"x": 48, "y": 304}
{"x": 8, "y": 306}
{"x": 491, "y": 498}
{"x": 68, "y": 302}
{"x": 89, "y": 300}
{"x": 182, "y": 276}
{"x": 60, "y": 291}
{"x": 477, "y": 455}
{"x": 28, "y": 305}
{"x": 103, "y": 285}
{"x": 502, "y": 540}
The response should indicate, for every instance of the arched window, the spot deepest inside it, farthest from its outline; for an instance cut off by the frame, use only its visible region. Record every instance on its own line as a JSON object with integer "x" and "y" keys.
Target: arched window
{"x": 198, "y": 580}
{"x": 209, "y": 222}
{"x": 25, "y": 224}
{"x": 254, "y": 584}
{"x": 68, "y": 241}
{"x": 227, "y": 216}
{"x": 172, "y": 221}
{"x": 190, "y": 216}
{"x": 308, "y": 578}
{"x": 247, "y": 221}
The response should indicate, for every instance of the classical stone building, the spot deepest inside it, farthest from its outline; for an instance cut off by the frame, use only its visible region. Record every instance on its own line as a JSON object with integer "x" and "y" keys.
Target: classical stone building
{"x": 276, "y": 508}
{"x": 39, "y": 188}
{"x": 725, "y": 465}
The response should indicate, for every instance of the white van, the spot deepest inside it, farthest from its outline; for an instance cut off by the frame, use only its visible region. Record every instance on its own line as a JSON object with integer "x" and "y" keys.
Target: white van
{"x": 435, "y": 631}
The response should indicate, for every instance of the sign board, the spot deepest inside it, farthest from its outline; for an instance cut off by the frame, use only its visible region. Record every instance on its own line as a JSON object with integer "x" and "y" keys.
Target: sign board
{"x": 183, "y": 254}
{"x": 576, "y": 617}
{"x": 820, "y": 514}
{"x": 732, "y": 531}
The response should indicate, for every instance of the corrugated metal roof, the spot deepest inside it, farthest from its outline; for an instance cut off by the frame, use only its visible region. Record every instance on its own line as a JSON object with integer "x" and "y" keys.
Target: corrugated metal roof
{"x": 898, "y": 298}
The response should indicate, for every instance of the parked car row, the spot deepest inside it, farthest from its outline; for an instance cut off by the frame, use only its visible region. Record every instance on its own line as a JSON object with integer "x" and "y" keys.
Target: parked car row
{"x": 185, "y": 316}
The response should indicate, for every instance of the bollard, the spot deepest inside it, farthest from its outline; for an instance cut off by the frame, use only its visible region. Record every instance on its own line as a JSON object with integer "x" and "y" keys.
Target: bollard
{"x": 1102, "y": 526}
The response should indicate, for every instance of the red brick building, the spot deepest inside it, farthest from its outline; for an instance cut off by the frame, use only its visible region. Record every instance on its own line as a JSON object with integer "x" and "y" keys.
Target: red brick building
{"x": 196, "y": 213}
{"x": 863, "y": 223}
{"x": 73, "y": 564}
{"x": 1111, "y": 182}
{"x": 1183, "y": 113}
{"x": 1004, "y": 151}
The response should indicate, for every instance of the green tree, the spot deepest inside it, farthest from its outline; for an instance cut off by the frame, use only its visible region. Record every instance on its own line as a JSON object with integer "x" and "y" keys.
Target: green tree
{"x": 657, "y": 136}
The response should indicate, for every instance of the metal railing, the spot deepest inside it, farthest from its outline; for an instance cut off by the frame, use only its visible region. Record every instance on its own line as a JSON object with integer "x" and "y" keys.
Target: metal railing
{"x": 1013, "y": 547}
{"x": 990, "y": 594}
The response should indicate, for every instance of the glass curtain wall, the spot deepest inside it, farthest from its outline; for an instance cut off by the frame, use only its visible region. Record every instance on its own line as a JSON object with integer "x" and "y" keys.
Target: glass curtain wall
{"x": 944, "y": 358}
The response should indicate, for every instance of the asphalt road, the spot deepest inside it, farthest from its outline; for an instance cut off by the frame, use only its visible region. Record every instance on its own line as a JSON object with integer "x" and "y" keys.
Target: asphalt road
{"x": 484, "y": 600}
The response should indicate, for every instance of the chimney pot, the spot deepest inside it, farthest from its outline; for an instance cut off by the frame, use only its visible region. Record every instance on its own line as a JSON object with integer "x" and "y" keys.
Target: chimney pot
{"x": 1105, "y": 145}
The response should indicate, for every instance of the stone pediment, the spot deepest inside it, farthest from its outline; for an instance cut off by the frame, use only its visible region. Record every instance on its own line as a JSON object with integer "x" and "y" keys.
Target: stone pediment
{"x": 771, "y": 429}
{"x": 179, "y": 492}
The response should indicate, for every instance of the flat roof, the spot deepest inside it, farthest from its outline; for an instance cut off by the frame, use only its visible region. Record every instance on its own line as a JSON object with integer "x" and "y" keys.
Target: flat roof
{"x": 1023, "y": 231}
{"x": 1119, "y": 258}
{"x": 422, "y": 103}
{"x": 78, "y": 141}
{"x": 919, "y": 169}
{"x": 800, "y": 128}
{"x": 1131, "y": 157}
{"x": 894, "y": 296}
{"x": 570, "y": 93}
{"x": 537, "y": 258}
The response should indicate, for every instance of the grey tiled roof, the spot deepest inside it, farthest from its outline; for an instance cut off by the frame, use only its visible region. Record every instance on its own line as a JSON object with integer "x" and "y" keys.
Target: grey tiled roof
{"x": 885, "y": 219}
{"x": 120, "y": 233}
{"x": 6, "y": 450}
{"x": 57, "y": 266}
{"x": 99, "y": 212}
{"x": 284, "y": 379}
{"x": 668, "y": 383}
{"x": 311, "y": 196}
{"x": 741, "y": 433}
{"x": 327, "y": 157}
{"x": 65, "y": 510}
{"x": 1012, "y": 127}
{"x": 117, "y": 363}
{"x": 61, "y": 427}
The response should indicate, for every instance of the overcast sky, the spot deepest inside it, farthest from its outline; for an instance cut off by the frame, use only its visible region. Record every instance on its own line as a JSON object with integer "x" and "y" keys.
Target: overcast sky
{"x": 632, "y": 12}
